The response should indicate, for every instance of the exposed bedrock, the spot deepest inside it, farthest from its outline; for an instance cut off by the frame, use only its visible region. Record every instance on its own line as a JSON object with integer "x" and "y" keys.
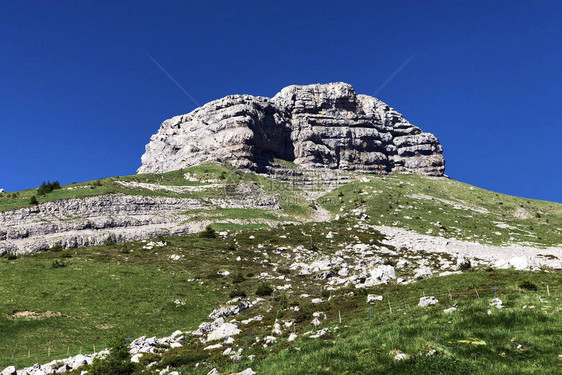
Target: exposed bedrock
{"x": 91, "y": 221}
{"x": 314, "y": 126}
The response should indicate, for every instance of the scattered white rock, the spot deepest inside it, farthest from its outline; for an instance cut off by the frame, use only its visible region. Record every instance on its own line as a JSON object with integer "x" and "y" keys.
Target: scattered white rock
{"x": 373, "y": 298}
{"x": 497, "y": 303}
{"x": 248, "y": 371}
{"x": 423, "y": 272}
{"x": 319, "y": 333}
{"x": 211, "y": 347}
{"x": 400, "y": 357}
{"x": 427, "y": 301}
{"x": 223, "y": 331}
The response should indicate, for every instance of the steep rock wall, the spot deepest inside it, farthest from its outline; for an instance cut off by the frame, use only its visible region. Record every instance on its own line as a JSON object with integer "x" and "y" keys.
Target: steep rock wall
{"x": 315, "y": 126}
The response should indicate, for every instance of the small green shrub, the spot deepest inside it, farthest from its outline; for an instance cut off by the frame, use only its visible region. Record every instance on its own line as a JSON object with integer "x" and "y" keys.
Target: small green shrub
{"x": 11, "y": 257}
{"x": 326, "y": 293}
{"x": 304, "y": 314}
{"x": 389, "y": 262}
{"x": 239, "y": 278}
{"x": 284, "y": 270}
{"x": 148, "y": 358}
{"x": 284, "y": 301}
{"x": 184, "y": 359}
{"x": 237, "y": 293}
{"x": 59, "y": 264}
{"x": 117, "y": 362}
{"x": 209, "y": 232}
{"x": 56, "y": 248}
{"x": 466, "y": 265}
{"x": 33, "y": 200}
{"x": 264, "y": 289}
{"x": 528, "y": 285}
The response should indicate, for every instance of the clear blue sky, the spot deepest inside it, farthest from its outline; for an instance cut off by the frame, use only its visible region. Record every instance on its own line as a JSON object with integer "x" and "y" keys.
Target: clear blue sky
{"x": 80, "y": 97}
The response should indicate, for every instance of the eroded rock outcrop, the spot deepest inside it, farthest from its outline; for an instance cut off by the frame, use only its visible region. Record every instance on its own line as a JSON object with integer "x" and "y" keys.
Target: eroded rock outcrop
{"x": 315, "y": 126}
{"x": 91, "y": 221}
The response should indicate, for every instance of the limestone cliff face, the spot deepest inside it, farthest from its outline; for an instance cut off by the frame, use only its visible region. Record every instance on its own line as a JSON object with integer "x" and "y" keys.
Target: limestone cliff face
{"x": 315, "y": 126}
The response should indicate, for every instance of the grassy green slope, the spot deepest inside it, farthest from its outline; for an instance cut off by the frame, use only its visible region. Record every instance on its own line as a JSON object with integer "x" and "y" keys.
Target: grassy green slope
{"x": 128, "y": 288}
{"x": 102, "y": 289}
{"x": 514, "y": 340}
{"x": 98, "y": 291}
{"x": 449, "y": 208}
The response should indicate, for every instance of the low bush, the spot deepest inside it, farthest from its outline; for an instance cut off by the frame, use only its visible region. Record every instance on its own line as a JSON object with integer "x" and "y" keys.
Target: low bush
{"x": 264, "y": 289}
{"x": 117, "y": 362}
{"x": 239, "y": 278}
{"x": 56, "y": 248}
{"x": 59, "y": 264}
{"x": 237, "y": 293}
{"x": 466, "y": 265}
{"x": 184, "y": 359}
{"x": 528, "y": 285}
{"x": 209, "y": 232}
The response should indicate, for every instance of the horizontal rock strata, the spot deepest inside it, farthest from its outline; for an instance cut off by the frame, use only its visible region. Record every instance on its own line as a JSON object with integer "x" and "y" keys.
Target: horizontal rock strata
{"x": 315, "y": 126}
{"x": 95, "y": 220}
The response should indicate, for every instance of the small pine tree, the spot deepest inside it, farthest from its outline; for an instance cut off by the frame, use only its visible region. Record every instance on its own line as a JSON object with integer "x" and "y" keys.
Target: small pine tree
{"x": 43, "y": 189}
{"x": 47, "y": 187}
{"x": 209, "y": 232}
{"x": 117, "y": 362}
{"x": 33, "y": 200}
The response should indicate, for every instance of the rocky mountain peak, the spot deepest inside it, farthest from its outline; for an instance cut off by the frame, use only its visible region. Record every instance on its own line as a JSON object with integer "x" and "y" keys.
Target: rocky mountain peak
{"x": 314, "y": 126}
